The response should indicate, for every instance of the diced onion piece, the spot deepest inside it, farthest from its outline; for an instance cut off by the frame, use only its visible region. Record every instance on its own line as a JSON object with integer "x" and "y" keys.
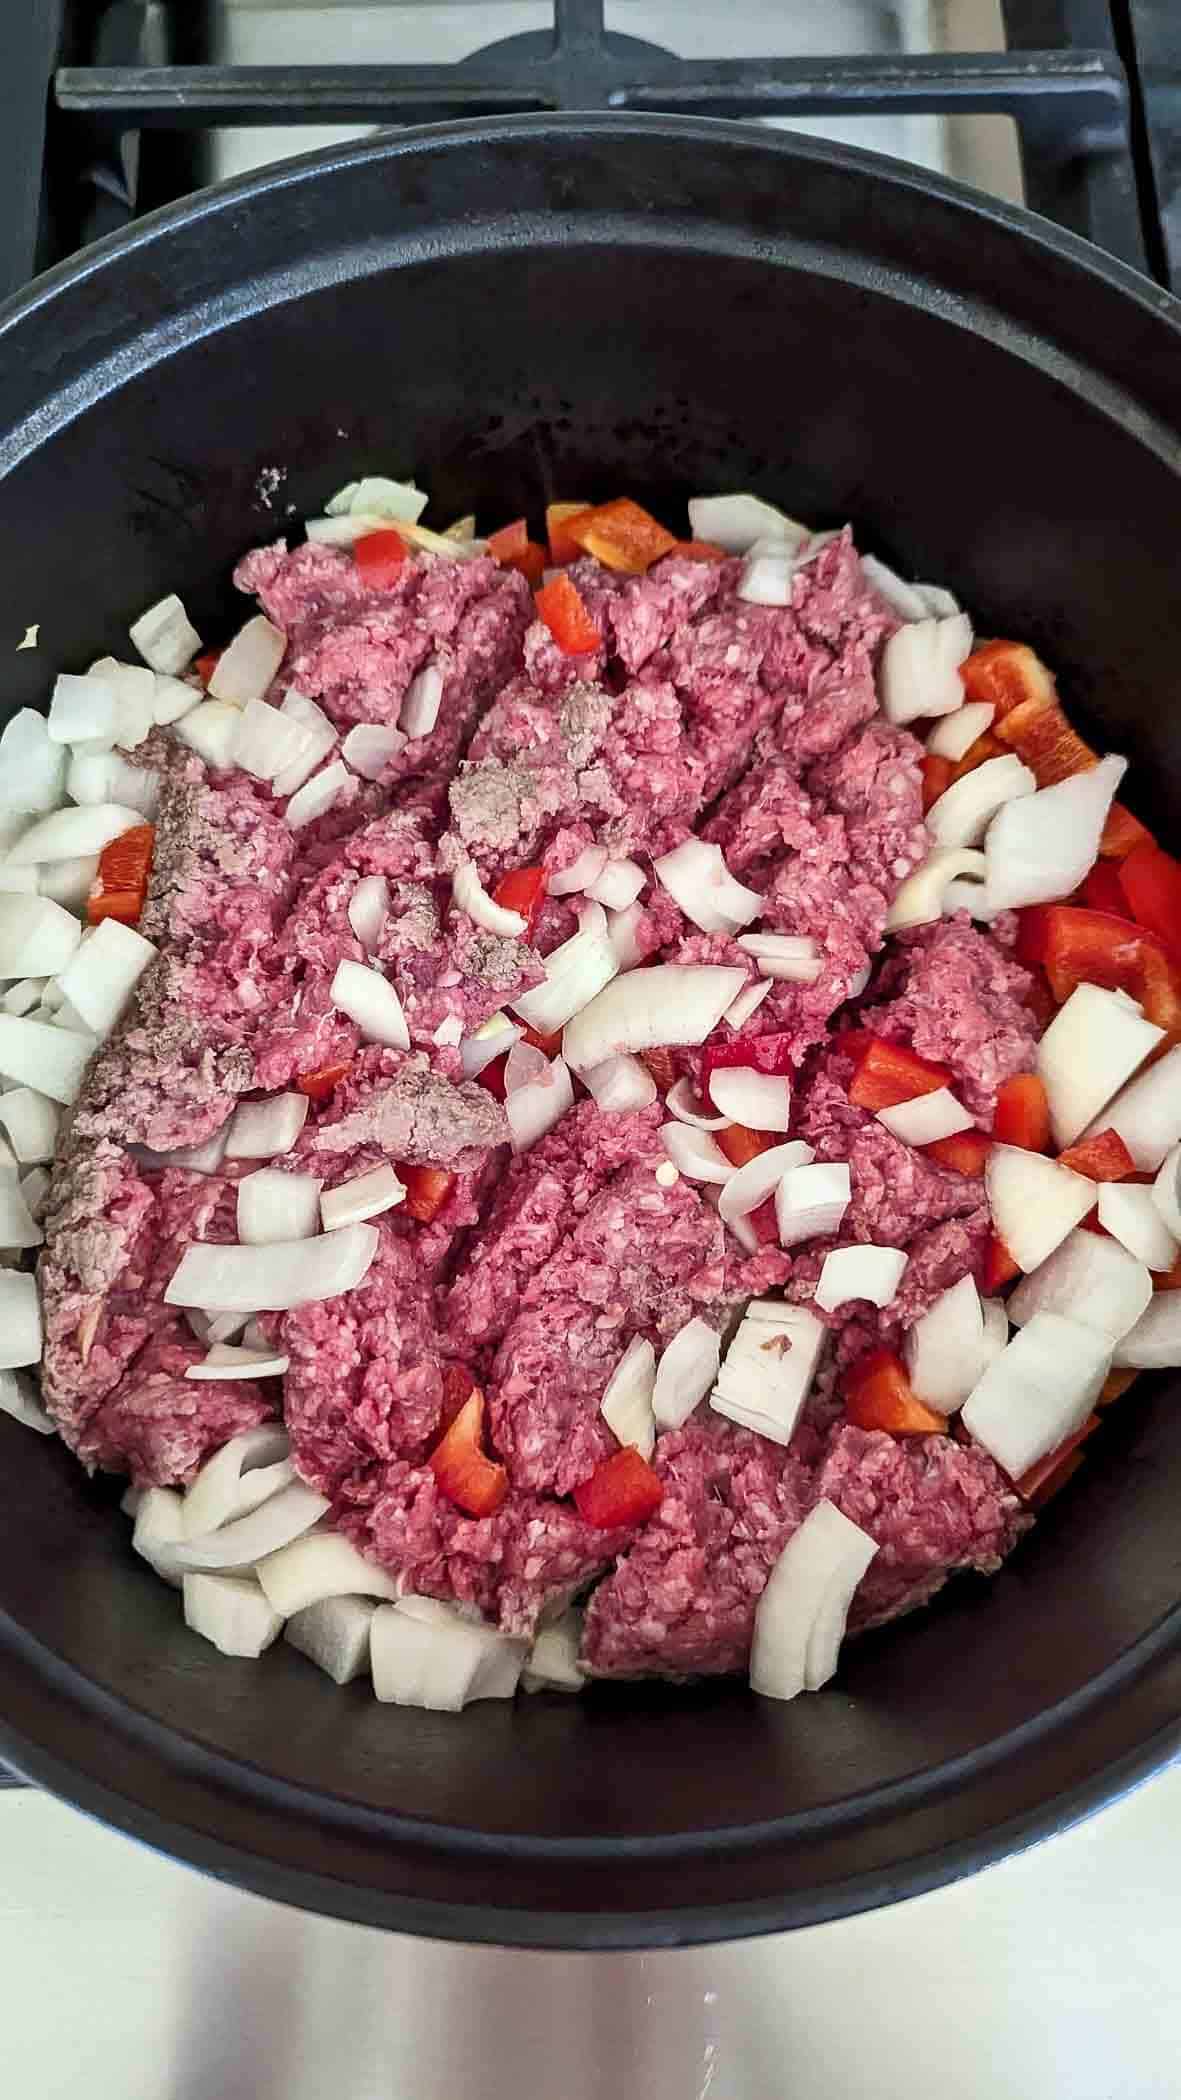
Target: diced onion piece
{"x": 225, "y": 1360}
{"x": 441, "y": 1662}
{"x": 317, "y": 795}
{"x": 735, "y": 522}
{"x": 375, "y": 495}
{"x": 920, "y": 899}
{"x": 369, "y": 908}
{"x": 751, "y": 1185}
{"x": 343, "y": 531}
{"x": 135, "y": 694}
{"x": 1092, "y": 1046}
{"x": 996, "y": 1329}
{"x": 552, "y": 1663}
{"x": 370, "y": 747}
{"x": 249, "y": 1539}
{"x": 901, "y": 597}
{"x": 1088, "y": 1278}
{"x": 32, "y": 766}
{"x": 697, "y": 878}
{"x": 18, "y": 1227}
{"x": 761, "y": 1100}
{"x": 749, "y": 999}
{"x": 276, "y": 1277}
{"x": 66, "y": 833}
{"x": 420, "y": 708}
{"x": 106, "y": 776}
{"x": 671, "y": 1003}
{"x": 621, "y": 932}
{"x": 1166, "y": 1191}
{"x": 1040, "y": 847}
{"x": 321, "y": 734}
{"x": 20, "y": 881}
{"x": 231, "y": 1612}
{"x": 268, "y": 740}
{"x": 683, "y": 1102}
{"x": 581, "y": 874}
{"x": 872, "y": 1273}
{"x": 165, "y": 637}
{"x": 449, "y": 1033}
{"x": 316, "y": 1567}
{"x": 1038, "y": 1391}
{"x": 24, "y": 995}
{"x": 1034, "y": 1202}
{"x": 919, "y": 669}
{"x": 695, "y": 1154}
{"x": 535, "y": 1108}
{"x": 370, "y": 1000}
{"x": 618, "y": 885}
{"x": 767, "y": 574}
{"x": 83, "y": 709}
{"x": 1154, "y": 1343}
{"x": 575, "y": 973}
{"x": 247, "y": 665}
{"x": 940, "y": 603}
{"x": 1146, "y": 1114}
{"x": 971, "y": 897}
{"x": 626, "y": 1406}
{"x": 335, "y": 1636}
{"x": 38, "y": 1054}
{"x": 927, "y": 1118}
{"x": 364, "y": 1196}
{"x": 792, "y": 958}
{"x": 954, "y": 735}
{"x": 264, "y": 1129}
{"x": 964, "y": 811}
{"x": 487, "y": 1044}
{"x": 687, "y": 1369}
{"x": 172, "y": 698}
{"x": 205, "y": 1158}
{"x": 37, "y": 936}
{"x": 18, "y": 1399}
{"x": 469, "y": 896}
{"x": 215, "y": 1497}
{"x": 524, "y": 1064}
{"x": 31, "y": 1122}
{"x": 159, "y": 1530}
{"x": 212, "y": 730}
{"x": 620, "y": 1084}
{"x": 1128, "y": 1212}
{"x": 811, "y": 1201}
{"x": 102, "y": 974}
{"x": 800, "y": 1617}
{"x": 945, "y": 1348}
{"x": 274, "y": 1206}
{"x": 34, "y": 1188}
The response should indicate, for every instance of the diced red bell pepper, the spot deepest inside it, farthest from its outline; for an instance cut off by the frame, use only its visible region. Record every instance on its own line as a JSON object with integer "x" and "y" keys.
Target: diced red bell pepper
{"x": 1103, "y": 891}
{"x": 624, "y": 1489}
{"x": 467, "y": 1477}
{"x": 1007, "y": 673}
{"x": 771, "y": 1054}
{"x": 1046, "y": 740}
{"x": 522, "y": 890}
{"x": 1053, "y": 1471}
{"x": 492, "y": 1076}
{"x": 1123, "y": 833}
{"x": 549, "y": 1045}
{"x": 621, "y": 535}
{"x": 1115, "y": 1385}
{"x": 965, "y": 1152}
{"x": 562, "y": 548}
{"x": 458, "y": 1385}
{"x": 662, "y": 1065}
{"x": 206, "y": 664}
{"x": 120, "y": 886}
{"x": 1022, "y": 1114}
{"x": 886, "y": 1073}
{"x": 741, "y": 1144}
{"x": 937, "y": 774}
{"x": 380, "y": 556}
{"x": 1150, "y": 881}
{"x": 1064, "y": 1470}
{"x": 879, "y": 1395}
{"x": 699, "y": 550}
{"x": 1077, "y": 946}
{"x": 508, "y": 545}
{"x": 427, "y": 1190}
{"x": 1104, "y": 1157}
{"x": 998, "y": 1267}
{"x": 532, "y": 564}
{"x": 986, "y": 746}
{"x": 1168, "y": 1279}
{"x": 318, "y": 1085}
{"x": 560, "y": 605}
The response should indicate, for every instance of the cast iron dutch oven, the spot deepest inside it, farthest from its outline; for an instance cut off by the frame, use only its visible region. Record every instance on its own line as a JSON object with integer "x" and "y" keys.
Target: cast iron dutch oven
{"x": 517, "y": 309}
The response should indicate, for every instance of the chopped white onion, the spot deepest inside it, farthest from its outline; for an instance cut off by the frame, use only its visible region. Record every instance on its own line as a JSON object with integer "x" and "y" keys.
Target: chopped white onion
{"x": 1035, "y": 1202}
{"x": 789, "y": 957}
{"x": 159, "y": 1530}
{"x": 317, "y": 795}
{"x": 31, "y": 1121}
{"x": 370, "y": 747}
{"x": 18, "y": 1399}
{"x": 535, "y": 1108}
{"x": 1038, "y": 1391}
{"x": 920, "y": 900}
{"x": 1088, "y": 1278}
{"x": 68, "y": 882}
{"x": 268, "y": 740}
{"x": 626, "y": 1406}
{"x": 1146, "y": 1114}
{"x": 575, "y": 973}
{"x": 687, "y": 1368}
{"x": 872, "y": 1273}
{"x": 811, "y": 1201}
{"x": 971, "y": 897}
{"x": 67, "y": 833}
{"x": 106, "y": 776}
{"x": 364, "y": 1196}
{"x": 321, "y": 735}
{"x": 420, "y": 708}
{"x": 581, "y": 874}
{"x": 1154, "y": 1343}
{"x": 1128, "y": 1211}
{"x": 736, "y": 521}
{"x": 231, "y": 1612}
{"x": 334, "y": 1635}
{"x": 172, "y": 698}
{"x": 996, "y": 1329}
{"x": 697, "y": 878}
{"x": 276, "y": 1277}
{"x": 165, "y": 637}
{"x": 963, "y": 812}
{"x": 552, "y": 1663}
{"x": 103, "y": 972}
{"x": 1040, "y": 847}
{"x": 940, "y": 603}
{"x": 246, "y": 1540}
{"x": 318, "y": 1566}
{"x": 919, "y": 671}
{"x": 247, "y": 665}
{"x": 37, "y": 936}
{"x": 954, "y": 735}
{"x": 264, "y": 1129}
{"x": 1166, "y": 1191}
{"x": 449, "y": 1033}
{"x": 749, "y": 999}
{"x": 34, "y": 1188}
{"x": 83, "y": 709}
{"x": 683, "y": 1102}
{"x": 370, "y": 1000}
{"x": 212, "y": 730}
{"x": 222, "y": 1489}
{"x": 751, "y": 1185}
{"x": 19, "y": 881}
{"x": 343, "y": 531}
{"x": 525, "y": 1063}
{"x": 368, "y": 909}
{"x": 37, "y": 1054}
{"x": 927, "y": 1118}
{"x": 32, "y": 766}
{"x": 135, "y": 697}
{"x": 274, "y": 1206}
{"x": 620, "y": 1084}
{"x": 205, "y": 1158}
{"x": 901, "y": 597}
{"x": 618, "y": 885}
{"x": 1093, "y": 1045}
{"x": 761, "y": 1100}
{"x": 375, "y": 495}
{"x": 20, "y": 1320}
{"x": 767, "y": 574}
{"x": 800, "y": 1617}
{"x": 944, "y": 1349}
{"x": 695, "y": 1154}
{"x": 469, "y": 896}
{"x": 224, "y": 1360}
{"x": 487, "y": 1044}
{"x": 18, "y": 1227}
{"x": 441, "y": 1662}
{"x": 670, "y": 1003}
{"x": 621, "y": 932}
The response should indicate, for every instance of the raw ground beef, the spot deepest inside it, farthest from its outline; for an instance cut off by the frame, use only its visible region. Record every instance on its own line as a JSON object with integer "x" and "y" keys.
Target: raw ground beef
{"x": 951, "y": 993}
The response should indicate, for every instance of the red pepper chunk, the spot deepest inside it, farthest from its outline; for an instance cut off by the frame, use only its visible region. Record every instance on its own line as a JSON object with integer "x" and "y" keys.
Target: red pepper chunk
{"x": 879, "y": 1395}
{"x": 1048, "y": 1474}
{"x": 741, "y": 1145}
{"x": 560, "y": 605}
{"x": 458, "y": 1386}
{"x": 427, "y": 1190}
{"x": 1022, "y": 1113}
{"x": 1150, "y": 880}
{"x": 467, "y": 1477}
{"x": 492, "y": 1077}
{"x": 998, "y": 1267}
{"x": 886, "y": 1073}
{"x": 120, "y": 886}
{"x": 522, "y": 890}
{"x": 206, "y": 665}
{"x": 965, "y": 1152}
{"x": 771, "y": 1054}
{"x": 1115, "y": 1385}
{"x": 621, "y": 535}
{"x": 662, "y": 1065}
{"x": 379, "y": 556}
{"x": 318, "y": 1085}
{"x": 1077, "y": 946}
{"x": 1104, "y": 1157}
{"x": 508, "y": 545}
{"x": 699, "y": 550}
{"x": 624, "y": 1489}
{"x": 1103, "y": 890}
{"x": 1007, "y": 673}
{"x": 937, "y": 774}
{"x": 562, "y": 548}
{"x": 549, "y": 1045}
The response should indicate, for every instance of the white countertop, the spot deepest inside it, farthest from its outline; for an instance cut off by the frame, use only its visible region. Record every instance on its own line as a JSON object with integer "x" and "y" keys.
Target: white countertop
{"x": 125, "y": 1977}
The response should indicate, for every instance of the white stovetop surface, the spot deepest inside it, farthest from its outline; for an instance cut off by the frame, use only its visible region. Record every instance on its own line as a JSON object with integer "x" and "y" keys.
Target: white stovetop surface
{"x": 125, "y": 1977}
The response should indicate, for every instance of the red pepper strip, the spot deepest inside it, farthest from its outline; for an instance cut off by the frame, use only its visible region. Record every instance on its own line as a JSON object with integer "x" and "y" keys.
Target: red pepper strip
{"x": 492, "y": 1076}
{"x": 121, "y": 884}
{"x": 531, "y": 564}
{"x": 427, "y": 1190}
{"x": 1150, "y": 880}
{"x": 624, "y": 1489}
{"x": 1006, "y": 673}
{"x": 472, "y": 1481}
{"x": 458, "y": 1386}
{"x": 1047, "y": 742}
{"x": 763, "y": 1053}
{"x": 937, "y": 774}
{"x": 562, "y": 548}
{"x": 1054, "y": 1470}
{"x": 1123, "y": 833}
{"x": 886, "y": 1074}
{"x": 206, "y": 665}
{"x": 380, "y": 556}
{"x": 1077, "y": 946}
{"x": 1115, "y": 1385}
{"x": 699, "y": 550}
{"x": 879, "y": 1395}
{"x": 1104, "y": 1157}
{"x": 621, "y": 535}
{"x": 549, "y": 1045}
{"x": 966, "y": 1152}
{"x": 662, "y": 1065}
{"x": 1103, "y": 890}
{"x": 560, "y": 605}
{"x": 522, "y": 890}
{"x": 508, "y": 545}
{"x": 1022, "y": 1114}
{"x": 741, "y": 1144}
{"x": 319, "y": 1085}
{"x": 998, "y": 1267}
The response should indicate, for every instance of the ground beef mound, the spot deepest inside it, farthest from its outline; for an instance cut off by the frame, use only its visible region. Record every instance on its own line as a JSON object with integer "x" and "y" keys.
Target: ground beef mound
{"x": 951, "y": 993}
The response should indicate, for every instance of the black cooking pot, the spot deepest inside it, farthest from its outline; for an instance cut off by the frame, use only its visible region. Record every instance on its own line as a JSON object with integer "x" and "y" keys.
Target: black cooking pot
{"x": 517, "y": 310}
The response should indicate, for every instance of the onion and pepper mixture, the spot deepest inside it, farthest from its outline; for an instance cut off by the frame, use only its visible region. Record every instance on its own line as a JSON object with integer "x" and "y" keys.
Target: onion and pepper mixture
{"x": 597, "y": 1108}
